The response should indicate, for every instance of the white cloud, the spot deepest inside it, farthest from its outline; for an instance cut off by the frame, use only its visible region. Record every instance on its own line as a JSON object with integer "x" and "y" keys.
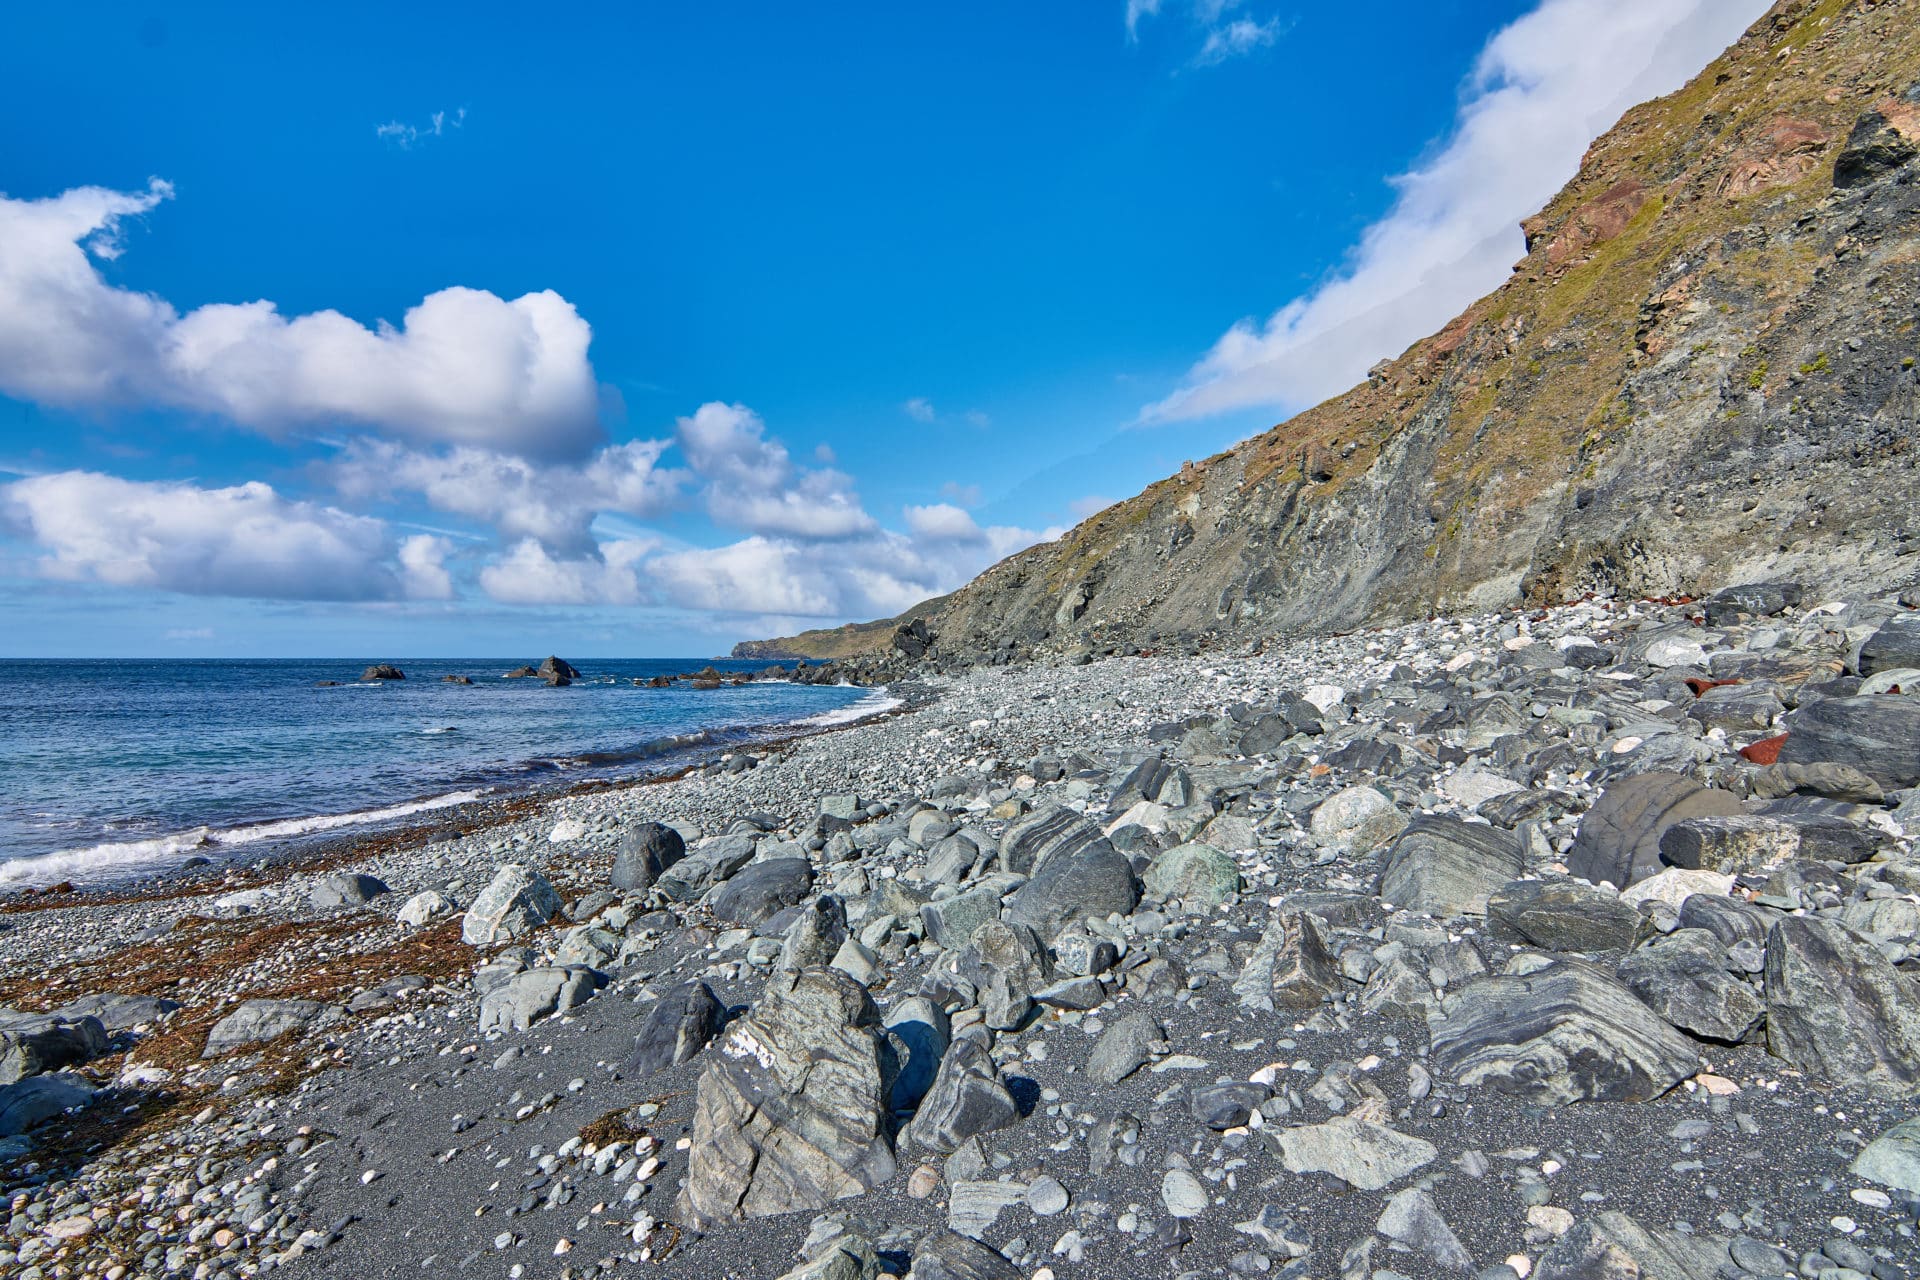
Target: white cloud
{"x": 407, "y": 136}
{"x": 423, "y": 568}
{"x": 245, "y": 540}
{"x": 1544, "y": 87}
{"x": 553, "y": 502}
{"x": 1136, "y": 10}
{"x": 1236, "y": 38}
{"x": 528, "y": 575}
{"x": 753, "y": 484}
{"x": 464, "y": 367}
{"x": 756, "y": 575}
{"x": 920, "y": 409}
{"x": 941, "y": 520}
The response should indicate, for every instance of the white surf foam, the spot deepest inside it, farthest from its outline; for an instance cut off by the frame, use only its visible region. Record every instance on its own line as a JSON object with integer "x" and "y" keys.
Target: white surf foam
{"x": 878, "y": 702}
{"x": 117, "y": 859}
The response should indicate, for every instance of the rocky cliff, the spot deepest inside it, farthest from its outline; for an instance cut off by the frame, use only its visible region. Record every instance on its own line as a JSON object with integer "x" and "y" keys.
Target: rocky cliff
{"x": 1702, "y": 372}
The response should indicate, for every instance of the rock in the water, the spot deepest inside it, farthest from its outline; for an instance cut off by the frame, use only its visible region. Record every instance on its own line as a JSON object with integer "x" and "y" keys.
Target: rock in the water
{"x": 1562, "y": 1033}
{"x": 1444, "y": 867}
{"x": 792, "y": 1112}
{"x": 29, "y": 1102}
{"x": 1357, "y": 820}
{"x": 383, "y": 671}
{"x": 1291, "y": 968}
{"x": 1838, "y": 1009}
{"x": 525, "y": 998}
{"x": 1564, "y": 915}
{"x": 1683, "y": 977}
{"x": 1878, "y": 734}
{"x": 1193, "y": 872}
{"x": 346, "y": 889}
{"x": 1070, "y": 884}
{"x": 1619, "y": 837}
{"x": 647, "y": 849}
{"x": 258, "y": 1020}
{"x": 676, "y": 1027}
{"x": 1892, "y": 1159}
{"x": 32, "y": 1043}
{"x": 947, "y": 1255}
{"x": 760, "y": 889}
{"x": 1413, "y": 1219}
{"x": 1124, "y": 1048}
{"x": 516, "y": 902}
{"x": 968, "y": 1097}
{"x": 1363, "y": 1154}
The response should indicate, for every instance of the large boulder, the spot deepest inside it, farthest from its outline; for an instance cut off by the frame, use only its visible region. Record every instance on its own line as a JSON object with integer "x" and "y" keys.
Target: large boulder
{"x": 1838, "y": 1009}
{"x": 968, "y": 1097}
{"x": 1878, "y": 734}
{"x": 1034, "y": 839}
{"x": 559, "y": 668}
{"x": 1291, "y": 968}
{"x": 1683, "y": 977}
{"x": 948, "y": 1255}
{"x": 1356, "y": 820}
{"x": 29, "y": 1102}
{"x": 383, "y": 671}
{"x": 119, "y": 1012}
{"x": 1073, "y": 883}
{"x": 1445, "y": 867}
{"x": 257, "y": 1021}
{"x": 646, "y": 850}
{"x": 1359, "y": 1152}
{"x": 1564, "y": 915}
{"x": 1894, "y": 646}
{"x": 1612, "y": 1246}
{"x": 676, "y": 1027}
{"x": 32, "y": 1043}
{"x": 1007, "y": 964}
{"x": 525, "y": 998}
{"x": 515, "y": 902}
{"x": 1619, "y": 837}
{"x": 791, "y": 1114}
{"x": 1562, "y": 1033}
{"x": 1193, "y": 873}
{"x": 346, "y": 889}
{"x": 759, "y": 890}
{"x": 706, "y": 866}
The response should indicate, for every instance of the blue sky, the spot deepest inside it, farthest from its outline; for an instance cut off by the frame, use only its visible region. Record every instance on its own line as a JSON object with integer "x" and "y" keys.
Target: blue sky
{"x": 489, "y": 331}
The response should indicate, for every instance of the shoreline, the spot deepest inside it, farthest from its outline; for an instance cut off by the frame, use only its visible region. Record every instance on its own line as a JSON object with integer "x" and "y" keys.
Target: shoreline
{"x": 331, "y": 846}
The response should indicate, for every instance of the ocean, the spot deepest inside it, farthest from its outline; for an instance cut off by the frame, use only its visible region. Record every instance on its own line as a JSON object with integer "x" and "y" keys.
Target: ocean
{"x": 118, "y": 768}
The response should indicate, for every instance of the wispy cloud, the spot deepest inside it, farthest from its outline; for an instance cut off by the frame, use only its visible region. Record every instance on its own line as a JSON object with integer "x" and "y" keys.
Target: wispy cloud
{"x": 1235, "y": 39}
{"x": 1222, "y": 35}
{"x": 920, "y": 409}
{"x": 1542, "y": 90}
{"x": 407, "y": 136}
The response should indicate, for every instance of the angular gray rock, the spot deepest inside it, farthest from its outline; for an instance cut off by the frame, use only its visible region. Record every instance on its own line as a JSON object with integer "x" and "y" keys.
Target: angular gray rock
{"x": 968, "y": 1097}
{"x": 1413, "y": 1219}
{"x": 791, "y": 1113}
{"x": 1561, "y": 1033}
{"x": 1683, "y": 977}
{"x": 1619, "y": 837}
{"x": 1878, "y": 734}
{"x": 526, "y": 998}
{"x": 1838, "y": 1009}
{"x": 1007, "y": 965}
{"x": 947, "y": 1255}
{"x": 515, "y": 902}
{"x": 1895, "y": 645}
{"x": 1291, "y": 968}
{"x": 816, "y": 936}
{"x": 33, "y": 1043}
{"x": 760, "y": 889}
{"x": 1564, "y": 915}
{"x": 1611, "y": 1244}
{"x": 346, "y": 889}
{"x": 647, "y": 850}
{"x": 1359, "y": 1152}
{"x": 119, "y": 1012}
{"x": 1730, "y": 845}
{"x": 1072, "y": 883}
{"x": 1444, "y": 867}
{"x": 1226, "y": 1105}
{"x": 698, "y": 871}
{"x": 676, "y": 1027}
{"x": 950, "y": 922}
{"x": 1123, "y": 1048}
{"x": 260, "y": 1020}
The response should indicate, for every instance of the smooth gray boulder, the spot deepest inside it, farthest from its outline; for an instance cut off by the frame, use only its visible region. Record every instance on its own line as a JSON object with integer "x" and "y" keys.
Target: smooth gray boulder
{"x": 792, "y": 1113}
{"x": 119, "y": 1012}
{"x": 1619, "y": 837}
{"x": 761, "y": 889}
{"x": 1683, "y": 977}
{"x": 921, "y": 1033}
{"x": 1030, "y": 841}
{"x": 1359, "y": 1152}
{"x": 527, "y": 997}
{"x": 346, "y": 889}
{"x": 515, "y": 902}
{"x": 968, "y": 1097}
{"x": 1878, "y": 734}
{"x": 1838, "y": 1009}
{"x": 1893, "y": 1159}
{"x": 256, "y": 1021}
{"x": 676, "y": 1027}
{"x": 1443, "y": 867}
{"x": 1193, "y": 873}
{"x": 1070, "y": 884}
{"x": 33, "y": 1043}
{"x": 27, "y": 1103}
{"x": 647, "y": 850}
{"x": 1562, "y": 1033}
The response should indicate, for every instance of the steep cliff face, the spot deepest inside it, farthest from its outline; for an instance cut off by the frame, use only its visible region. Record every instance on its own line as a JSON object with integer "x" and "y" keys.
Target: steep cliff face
{"x": 1702, "y": 372}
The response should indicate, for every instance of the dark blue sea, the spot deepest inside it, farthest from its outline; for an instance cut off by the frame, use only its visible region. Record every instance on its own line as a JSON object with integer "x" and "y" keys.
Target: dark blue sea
{"x": 128, "y": 767}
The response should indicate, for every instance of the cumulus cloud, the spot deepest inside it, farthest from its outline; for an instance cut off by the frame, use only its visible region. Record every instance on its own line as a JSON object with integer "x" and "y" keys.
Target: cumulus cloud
{"x": 753, "y": 484}
{"x": 464, "y": 366}
{"x": 244, "y": 540}
{"x": 1542, "y": 90}
{"x": 529, "y": 575}
{"x": 554, "y": 503}
{"x": 407, "y": 136}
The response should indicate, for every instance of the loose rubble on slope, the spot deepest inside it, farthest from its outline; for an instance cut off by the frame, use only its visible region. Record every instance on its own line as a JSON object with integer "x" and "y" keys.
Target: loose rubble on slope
{"x": 1568, "y": 944}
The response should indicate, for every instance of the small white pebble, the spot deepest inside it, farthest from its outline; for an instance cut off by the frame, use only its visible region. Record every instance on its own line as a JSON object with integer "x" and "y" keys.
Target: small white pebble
{"x": 369, "y": 1176}
{"x": 1871, "y": 1198}
{"x": 1844, "y": 1225}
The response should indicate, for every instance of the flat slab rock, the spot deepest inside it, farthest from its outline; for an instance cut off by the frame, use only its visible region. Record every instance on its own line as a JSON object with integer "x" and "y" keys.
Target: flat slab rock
{"x": 1358, "y": 1152}
{"x": 1563, "y": 1033}
{"x": 1445, "y": 867}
